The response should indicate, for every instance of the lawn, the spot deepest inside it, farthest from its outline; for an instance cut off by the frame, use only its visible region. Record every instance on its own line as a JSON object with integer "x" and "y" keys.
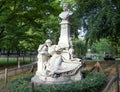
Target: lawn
{"x": 5, "y": 61}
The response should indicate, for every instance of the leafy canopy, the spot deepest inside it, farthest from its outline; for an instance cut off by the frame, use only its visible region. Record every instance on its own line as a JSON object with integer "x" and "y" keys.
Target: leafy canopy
{"x": 101, "y": 18}
{"x": 27, "y": 23}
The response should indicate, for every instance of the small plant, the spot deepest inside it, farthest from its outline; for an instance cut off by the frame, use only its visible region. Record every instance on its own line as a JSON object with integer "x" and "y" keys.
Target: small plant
{"x": 20, "y": 83}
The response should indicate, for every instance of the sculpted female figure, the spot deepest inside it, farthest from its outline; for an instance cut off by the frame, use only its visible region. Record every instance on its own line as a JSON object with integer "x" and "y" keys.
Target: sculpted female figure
{"x": 55, "y": 61}
{"x": 43, "y": 56}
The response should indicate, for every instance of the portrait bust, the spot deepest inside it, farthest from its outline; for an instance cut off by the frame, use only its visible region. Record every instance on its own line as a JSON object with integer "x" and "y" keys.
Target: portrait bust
{"x": 66, "y": 12}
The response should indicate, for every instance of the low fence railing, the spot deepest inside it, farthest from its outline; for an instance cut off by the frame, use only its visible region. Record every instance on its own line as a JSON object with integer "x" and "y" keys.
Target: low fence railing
{"x": 114, "y": 79}
{"x": 14, "y": 71}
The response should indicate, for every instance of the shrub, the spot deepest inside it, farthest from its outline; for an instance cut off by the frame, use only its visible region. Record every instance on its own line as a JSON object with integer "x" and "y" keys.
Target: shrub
{"x": 91, "y": 83}
{"x": 20, "y": 83}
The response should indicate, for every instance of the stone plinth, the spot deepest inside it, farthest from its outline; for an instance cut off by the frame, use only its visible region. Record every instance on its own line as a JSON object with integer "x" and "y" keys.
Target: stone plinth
{"x": 69, "y": 72}
{"x": 64, "y": 40}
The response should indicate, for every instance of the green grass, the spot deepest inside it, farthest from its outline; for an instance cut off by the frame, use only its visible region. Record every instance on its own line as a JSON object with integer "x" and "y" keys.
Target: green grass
{"x": 13, "y": 61}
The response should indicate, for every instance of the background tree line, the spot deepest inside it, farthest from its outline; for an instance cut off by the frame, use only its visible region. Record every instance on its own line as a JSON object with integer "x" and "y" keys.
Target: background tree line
{"x": 24, "y": 24}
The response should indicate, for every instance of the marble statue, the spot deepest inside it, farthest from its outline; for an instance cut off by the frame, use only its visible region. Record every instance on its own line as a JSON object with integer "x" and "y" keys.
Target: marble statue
{"x": 49, "y": 58}
{"x": 57, "y": 63}
{"x": 43, "y": 56}
{"x": 54, "y": 63}
{"x": 66, "y": 12}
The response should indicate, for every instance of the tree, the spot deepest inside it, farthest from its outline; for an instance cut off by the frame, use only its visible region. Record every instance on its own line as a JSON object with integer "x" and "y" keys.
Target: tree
{"x": 79, "y": 47}
{"x": 26, "y": 23}
{"x": 101, "y": 18}
{"x": 103, "y": 46}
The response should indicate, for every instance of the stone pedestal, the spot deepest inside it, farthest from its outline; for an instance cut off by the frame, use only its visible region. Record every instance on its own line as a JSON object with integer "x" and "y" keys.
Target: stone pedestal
{"x": 49, "y": 80}
{"x": 68, "y": 73}
{"x": 64, "y": 40}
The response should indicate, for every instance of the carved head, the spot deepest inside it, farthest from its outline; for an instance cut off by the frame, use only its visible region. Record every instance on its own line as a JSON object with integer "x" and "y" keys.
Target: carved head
{"x": 48, "y": 42}
{"x": 58, "y": 49}
{"x": 65, "y": 6}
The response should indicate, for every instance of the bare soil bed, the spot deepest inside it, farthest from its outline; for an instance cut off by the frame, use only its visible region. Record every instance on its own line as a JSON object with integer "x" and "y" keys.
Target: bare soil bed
{"x": 108, "y": 67}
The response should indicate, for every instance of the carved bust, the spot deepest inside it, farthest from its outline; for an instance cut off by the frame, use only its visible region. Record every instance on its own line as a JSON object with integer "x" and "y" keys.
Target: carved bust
{"x": 66, "y": 12}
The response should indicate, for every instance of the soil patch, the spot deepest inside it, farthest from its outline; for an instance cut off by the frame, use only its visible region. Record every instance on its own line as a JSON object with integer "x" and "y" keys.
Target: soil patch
{"x": 109, "y": 68}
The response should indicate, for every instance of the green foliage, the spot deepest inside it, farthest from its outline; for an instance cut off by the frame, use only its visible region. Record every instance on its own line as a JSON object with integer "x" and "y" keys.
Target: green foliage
{"x": 24, "y": 23}
{"x": 91, "y": 83}
{"x": 79, "y": 47}
{"x": 103, "y": 46}
{"x": 101, "y": 18}
{"x": 20, "y": 84}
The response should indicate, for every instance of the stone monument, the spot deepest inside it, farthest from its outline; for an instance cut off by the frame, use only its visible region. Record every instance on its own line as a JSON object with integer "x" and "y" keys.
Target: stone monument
{"x": 64, "y": 40}
{"x": 56, "y": 63}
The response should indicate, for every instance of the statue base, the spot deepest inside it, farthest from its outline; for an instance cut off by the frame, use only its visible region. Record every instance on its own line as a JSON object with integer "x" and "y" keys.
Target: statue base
{"x": 60, "y": 80}
{"x": 67, "y": 74}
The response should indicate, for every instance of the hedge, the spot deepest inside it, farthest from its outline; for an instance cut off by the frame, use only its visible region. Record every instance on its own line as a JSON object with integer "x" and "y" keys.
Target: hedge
{"x": 91, "y": 83}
